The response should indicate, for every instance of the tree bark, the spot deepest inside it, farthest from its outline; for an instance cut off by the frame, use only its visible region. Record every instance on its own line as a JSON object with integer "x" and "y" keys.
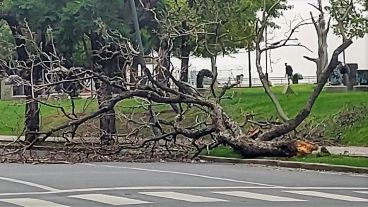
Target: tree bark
{"x": 251, "y": 148}
{"x": 229, "y": 133}
{"x": 109, "y": 68}
{"x": 163, "y": 66}
{"x": 184, "y": 54}
{"x": 32, "y": 115}
{"x": 32, "y": 119}
{"x": 134, "y": 70}
{"x": 265, "y": 83}
{"x": 108, "y": 119}
{"x": 322, "y": 32}
{"x": 214, "y": 70}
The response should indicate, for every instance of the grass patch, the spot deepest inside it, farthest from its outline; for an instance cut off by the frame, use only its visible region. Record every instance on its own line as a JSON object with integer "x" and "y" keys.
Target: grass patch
{"x": 11, "y": 117}
{"x": 255, "y": 100}
{"x": 328, "y": 104}
{"x": 12, "y": 113}
{"x": 357, "y": 135}
{"x": 223, "y": 151}
{"x": 334, "y": 160}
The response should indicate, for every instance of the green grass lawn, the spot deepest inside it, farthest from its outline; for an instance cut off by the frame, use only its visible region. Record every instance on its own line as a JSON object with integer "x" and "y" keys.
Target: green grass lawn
{"x": 334, "y": 160}
{"x": 11, "y": 117}
{"x": 224, "y": 151}
{"x": 242, "y": 101}
{"x": 328, "y": 104}
{"x": 255, "y": 100}
{"x": 357, "y": 135}
{"x": 12, "y": 113}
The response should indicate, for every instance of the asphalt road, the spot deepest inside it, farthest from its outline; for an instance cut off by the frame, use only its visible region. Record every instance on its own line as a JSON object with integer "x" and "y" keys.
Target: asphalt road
{"x": 176, "y": 185}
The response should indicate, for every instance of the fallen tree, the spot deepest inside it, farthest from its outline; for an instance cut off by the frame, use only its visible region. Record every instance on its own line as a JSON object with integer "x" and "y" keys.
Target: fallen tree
{"x": 209, "y": 128}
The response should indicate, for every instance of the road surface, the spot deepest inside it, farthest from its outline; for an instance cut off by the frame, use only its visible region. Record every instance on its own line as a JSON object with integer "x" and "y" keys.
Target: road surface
{"x": 176, "y": 185}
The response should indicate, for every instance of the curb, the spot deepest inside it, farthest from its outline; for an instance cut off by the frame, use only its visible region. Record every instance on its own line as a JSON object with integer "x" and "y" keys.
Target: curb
{"x": 289, "y": 164}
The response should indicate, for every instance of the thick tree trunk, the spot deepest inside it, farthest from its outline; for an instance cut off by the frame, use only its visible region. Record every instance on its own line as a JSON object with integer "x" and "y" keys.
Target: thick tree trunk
{"x": 184, "y": 54}
{"x": 104, "y": 90}
{"x": 164, "y": 68}
{"x": 32, "y": 119}
{"x": 108, "y": 119}
{"x": 229, "y": 133}
{"x": 32, "y": 115}
{"x": 21, "y": 51}
{"x": 322, "y": 32}
{"x": 134, "y": 70}
{"x": 250, "y": 148}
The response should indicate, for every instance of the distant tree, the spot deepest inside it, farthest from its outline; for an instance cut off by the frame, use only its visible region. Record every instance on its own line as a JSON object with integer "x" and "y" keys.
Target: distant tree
{"x": 83, "y": 33}
{"x": 348, "y": 21}
{"x": 349, "y": 18}
{"x": 211, "y": 28}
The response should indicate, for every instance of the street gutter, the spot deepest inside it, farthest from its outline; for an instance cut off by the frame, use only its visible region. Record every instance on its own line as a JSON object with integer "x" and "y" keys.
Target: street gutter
{"x": 289, "y": 164}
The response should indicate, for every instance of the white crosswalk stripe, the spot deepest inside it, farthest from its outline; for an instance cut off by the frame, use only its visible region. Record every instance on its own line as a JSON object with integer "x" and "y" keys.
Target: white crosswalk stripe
{"x": 115, "y": 200}
{"x": 31, "y": 202}
{"x": 183, "y": 197}
{"x": 109, "y": 199}
{"x": 257, "y": 196}
{"x": 329, "y": 195}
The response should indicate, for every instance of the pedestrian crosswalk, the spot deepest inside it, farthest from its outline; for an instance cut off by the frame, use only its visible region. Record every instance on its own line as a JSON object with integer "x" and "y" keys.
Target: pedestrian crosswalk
{"x": 329, "y": 195}
{"x": 153, "y": 198}
{"x": 183, "y": 197}
{"x": 31, "y": 202}
{"x": 108, "y": 199}
{"x": 258, "y": 196}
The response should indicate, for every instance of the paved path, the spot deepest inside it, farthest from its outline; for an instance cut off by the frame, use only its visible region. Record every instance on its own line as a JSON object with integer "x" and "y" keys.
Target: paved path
{"x": 176, "y": 184}
{"x": 356, "y": 151}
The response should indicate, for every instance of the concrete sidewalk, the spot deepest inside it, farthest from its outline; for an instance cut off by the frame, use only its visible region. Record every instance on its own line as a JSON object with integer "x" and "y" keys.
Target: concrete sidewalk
{"x": 350, "y": 150}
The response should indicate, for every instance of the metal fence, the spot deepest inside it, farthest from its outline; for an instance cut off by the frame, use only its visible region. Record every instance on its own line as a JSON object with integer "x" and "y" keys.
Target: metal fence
{"x": 273, "y": 80}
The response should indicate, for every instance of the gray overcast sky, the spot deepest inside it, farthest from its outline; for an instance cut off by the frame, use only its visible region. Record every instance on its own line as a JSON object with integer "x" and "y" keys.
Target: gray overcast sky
{"x": 238, "y": 63}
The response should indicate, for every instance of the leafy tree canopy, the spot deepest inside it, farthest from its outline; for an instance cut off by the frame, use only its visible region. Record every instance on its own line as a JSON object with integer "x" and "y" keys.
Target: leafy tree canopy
{"x": 350, "y": 17}
{"x": 71, "y": 20}
{"x": 219, "y": 26}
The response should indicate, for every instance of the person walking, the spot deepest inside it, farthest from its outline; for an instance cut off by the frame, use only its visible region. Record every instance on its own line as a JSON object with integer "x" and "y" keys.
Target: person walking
{"x": 288, "y": 72}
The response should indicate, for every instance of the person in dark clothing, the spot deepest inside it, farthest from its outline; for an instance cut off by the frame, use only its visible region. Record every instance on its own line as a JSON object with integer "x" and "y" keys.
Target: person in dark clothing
{"x": 288, "y": 72}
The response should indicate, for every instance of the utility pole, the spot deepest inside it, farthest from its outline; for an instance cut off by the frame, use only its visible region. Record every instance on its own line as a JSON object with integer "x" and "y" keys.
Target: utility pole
{"x": 137, "y": 31}
{"x": 266, "y": 53}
